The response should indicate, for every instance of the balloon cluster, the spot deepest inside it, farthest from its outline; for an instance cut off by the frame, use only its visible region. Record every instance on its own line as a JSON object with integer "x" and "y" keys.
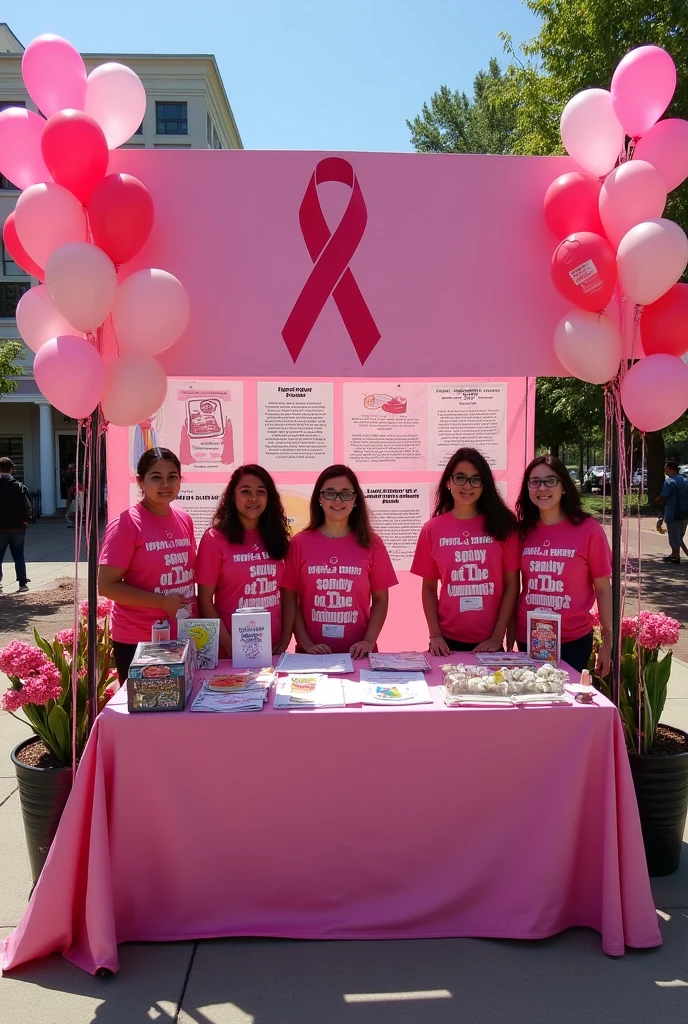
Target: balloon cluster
{"x": 74, "y": 226}
{"x": 615, "y": 239}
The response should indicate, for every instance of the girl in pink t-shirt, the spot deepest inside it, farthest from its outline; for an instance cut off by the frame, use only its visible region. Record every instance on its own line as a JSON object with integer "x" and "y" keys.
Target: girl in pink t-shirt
{"x": 470, "y": 546}
{"x": 565, "y": 562}
{"x": 147, "y": 559}
{"x": 340, "y": 570}
{"x": 241, "y": 558}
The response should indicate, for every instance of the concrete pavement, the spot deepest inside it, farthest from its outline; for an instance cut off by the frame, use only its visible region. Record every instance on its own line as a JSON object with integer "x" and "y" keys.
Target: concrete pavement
{"x": 49, "y": 552}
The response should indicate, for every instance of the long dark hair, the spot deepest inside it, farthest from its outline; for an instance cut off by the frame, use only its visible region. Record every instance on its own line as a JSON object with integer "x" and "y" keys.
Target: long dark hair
{"x": 500, "y": 521}
{"x": 272, "y": 523}
{"x": 153, "y": 455}
{"x": 527, "y": 512}
{"x": 358, "y": 517}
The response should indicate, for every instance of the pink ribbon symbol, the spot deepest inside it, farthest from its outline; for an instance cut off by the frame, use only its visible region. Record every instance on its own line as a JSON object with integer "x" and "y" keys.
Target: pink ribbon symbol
{"x": 331, "y": 254}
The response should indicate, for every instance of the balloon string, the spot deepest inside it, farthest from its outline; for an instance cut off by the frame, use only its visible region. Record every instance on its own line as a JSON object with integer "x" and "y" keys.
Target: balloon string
{"x": 75, "y": 640}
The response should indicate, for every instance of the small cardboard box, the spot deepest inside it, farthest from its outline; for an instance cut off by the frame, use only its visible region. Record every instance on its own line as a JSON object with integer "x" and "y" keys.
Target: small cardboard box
{"x": 161, "y": 676}
{"x": 251, "y": 638}
{"x": 544, "y": 636}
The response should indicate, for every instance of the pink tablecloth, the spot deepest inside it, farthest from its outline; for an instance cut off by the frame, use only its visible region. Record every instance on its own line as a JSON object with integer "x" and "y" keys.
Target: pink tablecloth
{"x": 356, "y": 824}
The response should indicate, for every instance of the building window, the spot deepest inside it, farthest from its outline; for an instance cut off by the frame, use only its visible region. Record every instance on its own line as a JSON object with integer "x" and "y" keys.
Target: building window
{"x": 10, "y": 294}
{"x": 170, "y": 119}
{"x": 209, "y": 130}
{"x": 13, "y": 448}
{"x": 4, "y": 104}
{"x": 7, "y": 185}
{"x": 9, "y": 267}
{"x": 216, "y": 139}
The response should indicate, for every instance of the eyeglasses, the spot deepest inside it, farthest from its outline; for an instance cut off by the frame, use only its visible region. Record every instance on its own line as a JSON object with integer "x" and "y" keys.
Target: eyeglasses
{"x": 331, "y": 495}
{"x": 549, "y": 481}
{"x": 460, "y": 479}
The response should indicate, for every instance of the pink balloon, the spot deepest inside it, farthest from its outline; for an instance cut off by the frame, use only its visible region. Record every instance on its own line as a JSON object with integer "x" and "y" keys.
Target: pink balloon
{"x": 21, "y": 160}
{"x": 583, "y": 269}
{"x": 75, "y": 150}
{"x": 642, "y": 87}
{"x": 632, "y": 193}
{"x": 82, "y": 282}
{"x": 71, "y": 374}
{"x": 572, "y": 204}
{"x": 116, "y": 99}
{"x": 665, "y": 146}
{"x": 651, "y": 257}
{"x": 54, "y": 74}
{"x": 135, "y": 389}
{"x": 46, "y": 217}
{"x": 151, "y": 312}
{"x": 591, "y": 132}
{"x": 654, "y": 392}
{"x": 38, "y": 320}
{"x": 588, "y": 345}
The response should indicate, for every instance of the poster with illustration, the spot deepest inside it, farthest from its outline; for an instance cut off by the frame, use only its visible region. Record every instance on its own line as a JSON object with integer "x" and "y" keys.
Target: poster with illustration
{"x": 385, "y": 425}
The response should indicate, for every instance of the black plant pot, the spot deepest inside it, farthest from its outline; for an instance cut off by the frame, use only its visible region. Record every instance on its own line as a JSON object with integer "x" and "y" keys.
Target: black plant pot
{"x": 43, "y": 794}
{"x": 661, "y": 788}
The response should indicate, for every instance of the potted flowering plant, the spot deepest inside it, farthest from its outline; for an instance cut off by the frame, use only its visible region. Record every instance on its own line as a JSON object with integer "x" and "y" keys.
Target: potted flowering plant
{"x": 41, "y": 687}
{"x": 658, "y": 753}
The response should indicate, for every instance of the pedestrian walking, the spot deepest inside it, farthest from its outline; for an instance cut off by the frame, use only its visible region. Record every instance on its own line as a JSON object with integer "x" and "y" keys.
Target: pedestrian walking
{"x": 15, "y": 514}
{"x": 674, "y": 498}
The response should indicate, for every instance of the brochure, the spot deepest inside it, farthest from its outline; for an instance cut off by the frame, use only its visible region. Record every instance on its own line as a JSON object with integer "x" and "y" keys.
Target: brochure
{"x": 506, "y": 659}
{"x": 242, "y": 681}
{"x": 210, "y": 700}
{"x": 393, "y": 688}
{"x": 330, "y": 663}
{"x": 309, "y": 690}
{"x": 401, "y": 661}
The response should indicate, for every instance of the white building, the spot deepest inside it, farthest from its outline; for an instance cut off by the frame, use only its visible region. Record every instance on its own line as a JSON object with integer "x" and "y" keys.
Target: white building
{"x": 186, "y": 107}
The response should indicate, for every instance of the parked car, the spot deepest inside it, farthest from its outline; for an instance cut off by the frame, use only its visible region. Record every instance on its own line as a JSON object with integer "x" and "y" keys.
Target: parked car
{"x": 573, "y": 473}
{"x": 635, "y": 481}
{"x": 683, "y": 470}
{"x": 594, "y": 478}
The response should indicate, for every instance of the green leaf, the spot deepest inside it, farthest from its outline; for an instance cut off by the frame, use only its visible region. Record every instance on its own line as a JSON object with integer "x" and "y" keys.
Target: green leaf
{"x": 60, "y": 728}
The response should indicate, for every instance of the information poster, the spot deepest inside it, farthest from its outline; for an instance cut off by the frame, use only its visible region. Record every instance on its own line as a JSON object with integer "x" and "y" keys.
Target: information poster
{"x": 385, "y": 426}
{"x": 295, "y": 425}
{"x": 471, "y": 414}
{"x": 397, "y": 513}
{"x": 201, "y": 421}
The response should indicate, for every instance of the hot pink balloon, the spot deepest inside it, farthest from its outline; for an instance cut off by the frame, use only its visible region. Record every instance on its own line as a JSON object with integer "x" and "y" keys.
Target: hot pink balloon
{"x": 632, "y": 193}
{"x": 642, "y": 87}
{"x": 54, "y": 74}
{"x": 583, "y": 269}
{"x": 664, "y": 324}
{"x": 591, "y": 132}
{"x": 116, "y": 99}
{"x": 150, "y": 313}
{"x": 665, "y": 146}
{"x": 21, "y": 160}
{"x": 121, "y": 216}
{"x": 46, "y": 217}
{"x": 135, "y": 389}
{"x": 17, "y": 250}
{"x": 75, "y": 152}
{"x": 651, "y": 257}
{"x": 71, "y": 374}
{"x": 82, "y": 282}
{"x": 588, "y": 345}
{"x": 654, "y": 392}
{"x": 39, "y": 320}
{"x": 572, "y": 204}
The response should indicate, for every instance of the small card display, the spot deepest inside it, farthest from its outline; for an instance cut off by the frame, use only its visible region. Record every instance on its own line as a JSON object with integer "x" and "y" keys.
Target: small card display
{"x": 544, "y": 636}
{"x": 161, "y": 676}
{"x": 204, "y": 634}
{"x": 251, "y": 638}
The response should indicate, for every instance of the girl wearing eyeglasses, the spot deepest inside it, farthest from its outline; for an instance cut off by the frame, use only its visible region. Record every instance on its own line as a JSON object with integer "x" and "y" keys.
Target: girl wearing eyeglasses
{"x": 241, "y": 557}
{"x": 565, "y": 562}
{"x": 340, "y": 570}
{"x": 470, "y": 546}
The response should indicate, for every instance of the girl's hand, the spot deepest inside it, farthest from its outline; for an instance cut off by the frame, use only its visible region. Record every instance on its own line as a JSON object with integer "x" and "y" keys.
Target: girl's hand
{"x": 489, "y": 646}
{"x": 360, "y": 650}
{"x": 171, "y": 603}
{"x": 317, "y": 649}
{"x": 604, "y": 658}
{"x": 438, "y": 646}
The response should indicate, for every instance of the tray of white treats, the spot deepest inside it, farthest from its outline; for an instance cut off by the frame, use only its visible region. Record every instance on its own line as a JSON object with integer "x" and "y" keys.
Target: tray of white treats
{"x": 503, "y": 687}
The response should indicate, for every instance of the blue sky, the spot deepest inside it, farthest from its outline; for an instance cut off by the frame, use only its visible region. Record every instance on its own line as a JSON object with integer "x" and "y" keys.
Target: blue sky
{"x": 302, "y": 74}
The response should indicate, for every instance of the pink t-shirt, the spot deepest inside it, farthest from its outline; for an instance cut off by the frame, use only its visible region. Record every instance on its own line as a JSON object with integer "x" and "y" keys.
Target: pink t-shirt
{"x": 243, "y": 575}
{"x": 558, "y": 565}
{"x": 157, "y": 553}
{"x": 334, "y": 579}
{"x": 470, "y": 565}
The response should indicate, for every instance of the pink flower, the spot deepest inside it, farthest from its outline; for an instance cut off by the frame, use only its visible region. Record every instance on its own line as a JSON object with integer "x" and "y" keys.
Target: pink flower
{"x": 105, "y": 606}
{"x": 595, "y": 616}
{"x": 40, "y": 687}
{"x": 656, "y": 630}
{"x": 629, "y": 626}
{"x": 82, "y": 673}
{"x": 66, "y": 637}
{"x": 20, "y": 659}
{"x": 12, "y": 700}
{"x": 110, "y": 691}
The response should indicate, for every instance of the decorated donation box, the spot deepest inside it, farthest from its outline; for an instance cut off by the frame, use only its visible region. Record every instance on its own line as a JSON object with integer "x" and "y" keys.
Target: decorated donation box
{"x": 251, "y": 638}
{"x": 161, "y": 676}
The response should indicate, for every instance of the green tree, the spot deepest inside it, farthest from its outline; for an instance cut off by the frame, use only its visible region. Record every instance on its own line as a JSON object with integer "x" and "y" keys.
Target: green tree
{"x": 453, "y": 123}
{"x": 10, "y": 352}
{"x": 568, "y": 412}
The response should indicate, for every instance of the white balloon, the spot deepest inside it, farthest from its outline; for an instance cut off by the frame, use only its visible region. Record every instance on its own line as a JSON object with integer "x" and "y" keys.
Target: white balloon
{"x": 651, "y": 258}
{"x": 116, "y": 99}
{"x": 39, "y": 320}
{"x": 82, "y": 282}
{"x": 588, "y": 345}
{"x": 591, "y": 132}
{"x": 632, "y": 193}
{"x": 135, "y": 389}
{"x": 151, "y": 312}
